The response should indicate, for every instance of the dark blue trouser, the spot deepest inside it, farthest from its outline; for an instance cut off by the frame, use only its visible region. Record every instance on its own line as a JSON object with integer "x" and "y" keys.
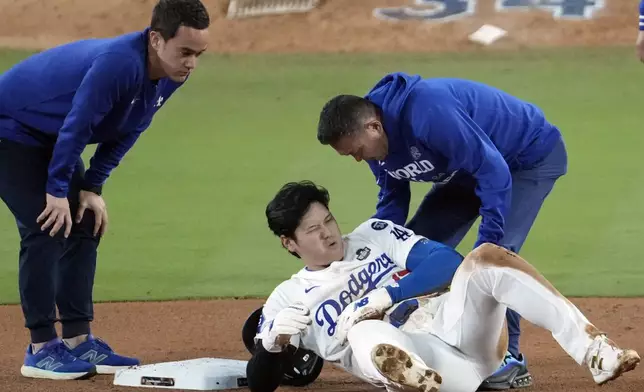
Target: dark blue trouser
{"x": 52, "y": 271}
{"x": 449, "y": 210}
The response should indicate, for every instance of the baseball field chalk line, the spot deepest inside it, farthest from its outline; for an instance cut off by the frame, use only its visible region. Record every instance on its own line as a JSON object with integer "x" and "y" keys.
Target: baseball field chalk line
{"x": 201, "y": 374}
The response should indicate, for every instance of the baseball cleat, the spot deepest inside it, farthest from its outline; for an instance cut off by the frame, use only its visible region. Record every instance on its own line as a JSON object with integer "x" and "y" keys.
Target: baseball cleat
{"x": 54, "y": 362}
{"x": 607, "y": 362}
{"x": 405, "y": 371}
{"x": 98, "y": 353}
{"x": 512, "y": 374}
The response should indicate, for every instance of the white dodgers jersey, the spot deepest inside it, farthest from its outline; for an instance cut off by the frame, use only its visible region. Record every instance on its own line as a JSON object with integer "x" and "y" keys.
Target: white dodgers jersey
{"x": 375, "y": 256}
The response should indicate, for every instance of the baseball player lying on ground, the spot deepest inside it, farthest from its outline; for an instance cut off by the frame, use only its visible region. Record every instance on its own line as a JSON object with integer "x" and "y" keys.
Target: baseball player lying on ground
{"x": 347, "y": 305}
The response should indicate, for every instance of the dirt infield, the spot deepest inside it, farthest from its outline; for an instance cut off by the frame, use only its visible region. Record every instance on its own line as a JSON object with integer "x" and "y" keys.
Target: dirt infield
{"x": 336, "y": 26}
{"x": 168, "y": 331}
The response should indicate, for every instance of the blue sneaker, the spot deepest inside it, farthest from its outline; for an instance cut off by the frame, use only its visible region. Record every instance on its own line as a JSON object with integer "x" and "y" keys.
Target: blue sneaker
{"x": 98, "y": 353}
{"x": 55, "y": 362}
{"x": 513, "y": 373}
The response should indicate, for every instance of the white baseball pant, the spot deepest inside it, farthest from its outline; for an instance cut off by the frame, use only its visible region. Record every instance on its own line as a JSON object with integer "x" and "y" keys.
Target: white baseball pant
{"x": 465, "y": 342}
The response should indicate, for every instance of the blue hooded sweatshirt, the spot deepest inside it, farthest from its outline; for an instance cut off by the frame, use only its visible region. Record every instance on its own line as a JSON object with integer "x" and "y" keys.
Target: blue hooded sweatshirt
{"x": 85, "y": 92}
{"x": 441, "y": 127}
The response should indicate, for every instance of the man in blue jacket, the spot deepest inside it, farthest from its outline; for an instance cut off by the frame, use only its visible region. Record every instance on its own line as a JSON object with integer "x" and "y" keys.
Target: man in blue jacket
{"x": 486, "y": 152}
{"x": 52, "y": 105}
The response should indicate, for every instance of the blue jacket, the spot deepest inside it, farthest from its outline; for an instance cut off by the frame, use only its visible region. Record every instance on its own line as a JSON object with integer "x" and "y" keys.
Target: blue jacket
{"x": 440, "y": 127}
{"x": 85, "y": 92}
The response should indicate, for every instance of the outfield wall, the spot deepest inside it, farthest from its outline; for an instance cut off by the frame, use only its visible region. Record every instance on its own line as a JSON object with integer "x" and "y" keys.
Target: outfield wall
{"x": 340, "y": 25}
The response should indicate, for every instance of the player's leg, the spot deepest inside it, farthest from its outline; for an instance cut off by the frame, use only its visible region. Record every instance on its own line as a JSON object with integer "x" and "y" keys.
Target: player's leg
{"x": 23, "y": 175}
{"x": 384, "y": 355}
{"x": 491, "y": 279}
{"x": 77, "y": 269}
{"x": 527, "y": 197}
{"x": 445, "y": 215}
{"x": 530, "y": 188}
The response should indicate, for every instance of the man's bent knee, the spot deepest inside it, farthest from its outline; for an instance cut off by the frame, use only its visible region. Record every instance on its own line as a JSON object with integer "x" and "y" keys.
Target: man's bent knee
{"x": 491, "y": 255}
{"x": 482, "y": 255}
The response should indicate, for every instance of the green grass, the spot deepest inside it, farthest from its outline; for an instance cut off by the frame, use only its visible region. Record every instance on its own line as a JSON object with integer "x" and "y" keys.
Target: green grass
{"x": 187, "y": 204}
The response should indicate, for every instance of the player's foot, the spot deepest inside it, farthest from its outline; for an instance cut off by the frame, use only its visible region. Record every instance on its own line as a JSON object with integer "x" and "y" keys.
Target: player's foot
{"x": 513, "y": 373}
{"x": 606, "y": 361}
{"x": 97, "y": 352}
{"x": 405, "y": 370}
{"x": 54, "y": 361}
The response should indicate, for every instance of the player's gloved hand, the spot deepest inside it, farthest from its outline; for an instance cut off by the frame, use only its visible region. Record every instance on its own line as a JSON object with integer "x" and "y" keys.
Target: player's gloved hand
{"x": 372, "y": 306}
{"x": 288, "y": 322}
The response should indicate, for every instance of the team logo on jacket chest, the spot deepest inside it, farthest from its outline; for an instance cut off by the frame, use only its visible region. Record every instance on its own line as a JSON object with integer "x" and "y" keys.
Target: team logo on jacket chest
{"x": 413, "y": 170}
{"x": 359, "y": 284}
{"x": 415, "y": 152}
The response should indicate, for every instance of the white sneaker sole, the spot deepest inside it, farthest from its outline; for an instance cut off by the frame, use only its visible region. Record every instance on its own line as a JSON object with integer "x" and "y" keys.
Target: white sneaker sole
{"x": 627, "y": 362}
{"x": 103, "y": 369}
{"x": 401, "y": 369}
{"x": 34, "y": 372}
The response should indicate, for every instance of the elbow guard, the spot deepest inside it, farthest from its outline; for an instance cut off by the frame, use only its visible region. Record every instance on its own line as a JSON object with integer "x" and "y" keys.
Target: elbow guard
{"x": 297, "y": 366}
{"x": 265, "y": 370}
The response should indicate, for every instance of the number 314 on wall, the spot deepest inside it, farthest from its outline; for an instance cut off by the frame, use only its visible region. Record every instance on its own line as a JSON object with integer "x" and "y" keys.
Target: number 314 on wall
{"x": 444, "y": 10}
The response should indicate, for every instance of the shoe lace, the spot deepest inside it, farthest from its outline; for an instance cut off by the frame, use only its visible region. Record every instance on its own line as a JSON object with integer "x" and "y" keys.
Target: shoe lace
{"x": 61, "y": 350}
{"x": 102, "y": 344}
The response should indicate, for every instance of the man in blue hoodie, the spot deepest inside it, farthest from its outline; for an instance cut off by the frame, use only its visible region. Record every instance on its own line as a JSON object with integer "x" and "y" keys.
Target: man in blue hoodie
{"x": 487, "y": 153}
{"x": 52, "y": 105}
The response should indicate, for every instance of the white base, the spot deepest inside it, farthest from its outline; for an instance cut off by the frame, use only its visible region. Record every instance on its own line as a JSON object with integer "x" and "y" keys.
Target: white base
{"x": 487, "y": 34}
{"x": 203, "y": 374}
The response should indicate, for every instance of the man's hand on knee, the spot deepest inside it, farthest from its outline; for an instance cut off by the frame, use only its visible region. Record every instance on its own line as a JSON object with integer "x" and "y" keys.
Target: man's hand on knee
{"x": 56, "y": 213}
{"x": 95, "y": 203}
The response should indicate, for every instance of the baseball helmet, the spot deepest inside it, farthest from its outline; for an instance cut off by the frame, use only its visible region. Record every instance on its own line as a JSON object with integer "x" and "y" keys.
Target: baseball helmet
{"x": 304, "y": 365}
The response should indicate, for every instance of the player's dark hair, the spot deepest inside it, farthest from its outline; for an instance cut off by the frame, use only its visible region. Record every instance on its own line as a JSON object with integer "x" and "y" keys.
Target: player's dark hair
{"x": 342, "y": 116}
{"x": 285, "y": 212}
{"x": 169, "y": 15}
